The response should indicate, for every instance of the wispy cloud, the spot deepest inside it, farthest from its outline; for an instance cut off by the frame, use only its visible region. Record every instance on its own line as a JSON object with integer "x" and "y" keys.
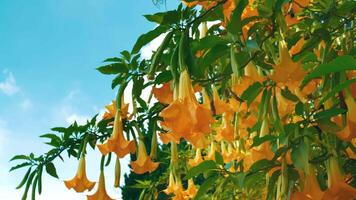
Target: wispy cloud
{"x": 9, "y": 86}
{"x": 26, "y": 104}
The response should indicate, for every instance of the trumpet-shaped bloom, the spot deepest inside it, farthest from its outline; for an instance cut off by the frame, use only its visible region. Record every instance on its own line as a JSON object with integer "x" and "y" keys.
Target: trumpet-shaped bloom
{"x": 226, "y": 130}
{"x": 262, "y": 151}
{"x": 192, "y": 190}
{"x": 80, "y": 182}
{"x": 143, "y": 163}
{"x": 197, "y": 159}
{"x": 338, "y": 189}
{"x": 163, "y": 94}
{"x": 100, "y": 194}
{"x": 220, "y": 105}
{"x": 111, "y": 110}
{"x": 293, "y": 9}
{"x": 117, "y": 143}
{"x": 211, "y": 154}
{"x": 286, "y": 70}
{"x": 185, "y": 117}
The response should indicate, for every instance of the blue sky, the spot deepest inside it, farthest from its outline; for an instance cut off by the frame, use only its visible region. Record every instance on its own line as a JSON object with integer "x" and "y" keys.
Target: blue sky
{"x": 49, "y": 50}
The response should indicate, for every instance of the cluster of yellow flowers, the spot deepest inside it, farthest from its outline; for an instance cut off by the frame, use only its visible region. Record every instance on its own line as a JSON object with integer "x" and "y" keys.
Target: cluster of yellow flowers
{"x": 223, "y": 124}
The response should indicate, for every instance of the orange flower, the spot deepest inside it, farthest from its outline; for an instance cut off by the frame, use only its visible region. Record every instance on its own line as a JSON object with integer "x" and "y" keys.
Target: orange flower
{"x": 287, "y": 71}
{"x": 169, "y": 137}
{"x": 211, "y": 154}
{"x": 80, "y": 182}
{"x": 227, "y": 154}
{"x": 293, "y": 9}
{"x": 248, "y": 12}
{"x": 174, "y": 185}
{"x": 228, "y": 7}
{"x": 262, "y": 151}
{"x": 338, "y": 189}
{"x": 163, "y": 94}
{"x": 117, "y": 142}
{"x": 191, "y": 191}
{"x": 349, "y": 131}
{"x": 111, "y": 110}
{"x": 143, "y": 163}
{"x": 226, "y": 130}
{"x": 297, "y": 47}
{"x": 194, "y": 119}
{"x": 220, "y": 105}
{"x": 197, "y": 159}
{"x": 100, "y": 194}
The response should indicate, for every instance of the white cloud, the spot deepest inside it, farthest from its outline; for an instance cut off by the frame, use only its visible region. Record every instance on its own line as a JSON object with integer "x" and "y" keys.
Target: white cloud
{"x": 9, "y": 86}
{"x": 80, "y": 119}
{"x": 147, "y": 51}
{"x": 26, "y": 104}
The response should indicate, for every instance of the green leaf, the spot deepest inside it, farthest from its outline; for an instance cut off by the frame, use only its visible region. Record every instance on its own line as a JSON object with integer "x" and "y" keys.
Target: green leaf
{"x": 234, "y": 26}
{"x": 163, "y": 77}
{"x": 201, "y": 168}
{"x": 259, "y": 140}
{"x": 238, "y": 179}
{"x": 263, "y": 165}
{"x": 286, "y": 93}
{"x": 148, "y": 37}
{"x": 329, "y": 113}
{"x": 20, "y": 166}
{"x": 299, "y": 156}
{"x": 114, "y": 68}
{"x": 114, "y": 59}
{"x": 169, "y": 17}
{"x": 218, "y": 158}
{"x": 337, "y": 89}
{"x": 251, "y": 93}
{"x": 28, "y": 184}
{"x": 24, "y": 179}
{"x": 34, "y": 185}
{"x": 339, "y": 64}
{"x": 205, "y": 187}
{"x": 20, "y": 157}
{"x": 272, "y": 184}
{"x": 51, "y": 170}
{"x": 39, "y": 174}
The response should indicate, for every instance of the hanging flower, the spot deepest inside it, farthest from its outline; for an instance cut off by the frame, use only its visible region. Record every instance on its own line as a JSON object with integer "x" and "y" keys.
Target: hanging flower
{"x": 111, "y": 110}
{"x": 338, "y": 189}
{"x": 100, "y": 194}
{"x": 212, "y": 150}
{"x": 225, "y": 131}
{"x": 143, "y": 163}
{"x": 197, "y": 159}
{"x": 192, "y": 190}
{"x": 117, "y": 143}
{"x": 349, "y": 132}
{"x": 293, "y": 9}
{"x": 194, "y": 119}
{"x": 80, "y": 182}
{"x": 163, "y": 94}
{"x": 262, "y": 151}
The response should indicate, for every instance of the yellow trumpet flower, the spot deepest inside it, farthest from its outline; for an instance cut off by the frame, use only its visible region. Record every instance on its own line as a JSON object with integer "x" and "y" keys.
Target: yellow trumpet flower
{"x": 80, "y": 182}
{"x": 143, "y": 163}
{"x": 111, "y": 110}
{"x": 117, "y": 143}
{"x": 100, "y": 194}
{"x": 163, "y": 94}
{"x": 338, "y": 189}
{"x": 194, "y": 119}
{"x": 192, "y": 190}
{"x": 197, "y": 159}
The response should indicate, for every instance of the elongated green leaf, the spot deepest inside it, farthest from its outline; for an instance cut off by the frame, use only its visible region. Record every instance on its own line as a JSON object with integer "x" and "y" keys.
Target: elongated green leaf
{"x": 28, "y": 184}
{"x": 20, "y": 157}
{"x": 218, "y": 158}
{"x": 259, "y": 140}
{"x": 339, "y": 64}
{"x": 169, "y": 17}
{"x": 205, "y": 187}
{"x": 113, "y": 68}
{"x": 299, "y": 156}
{"x": 251, "y": 93}
{"x": 24, "y": 179}
{"x": 51, "y": 170}
{"x": 201, "y": 168}
{"x": 20, "y": 166}
{"x": 147, "y": 38}
{"x": 329, "y": 113}
{"x": 286, "y": 93}
{"x": 34, "y": 185}
{"x": 337, "y": 89}
{"x": 272, "y": 185}
{"x": 39, "y": 174}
